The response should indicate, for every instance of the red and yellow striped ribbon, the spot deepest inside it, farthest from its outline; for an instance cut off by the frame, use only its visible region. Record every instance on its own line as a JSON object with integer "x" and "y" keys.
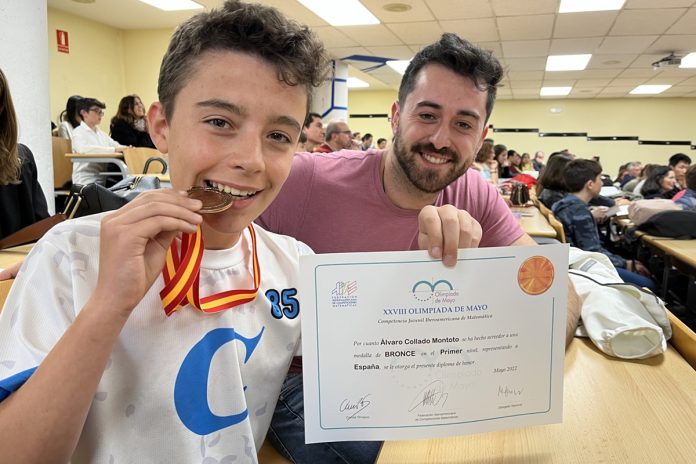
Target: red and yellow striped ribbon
{"x": 181, "y": 278}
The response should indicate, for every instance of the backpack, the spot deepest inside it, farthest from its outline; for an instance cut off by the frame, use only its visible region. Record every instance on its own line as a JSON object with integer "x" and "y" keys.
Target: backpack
{"x": 673, "y": 224}
{"x": 641, "y": 210}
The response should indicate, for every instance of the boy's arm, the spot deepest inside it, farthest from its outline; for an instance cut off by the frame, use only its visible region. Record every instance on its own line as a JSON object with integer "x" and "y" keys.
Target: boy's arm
{"x": 43, "y": 420}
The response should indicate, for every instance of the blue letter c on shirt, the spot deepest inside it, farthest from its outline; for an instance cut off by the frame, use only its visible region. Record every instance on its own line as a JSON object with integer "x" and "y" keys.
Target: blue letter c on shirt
{"x": 191, "y": 387}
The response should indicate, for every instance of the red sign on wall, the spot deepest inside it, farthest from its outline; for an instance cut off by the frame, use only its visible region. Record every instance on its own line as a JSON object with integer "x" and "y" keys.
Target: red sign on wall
{"x": 62, "y": 40}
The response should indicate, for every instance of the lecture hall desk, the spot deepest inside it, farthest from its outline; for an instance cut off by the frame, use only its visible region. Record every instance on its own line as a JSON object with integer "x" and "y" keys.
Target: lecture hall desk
{"x": 614, "y": 411}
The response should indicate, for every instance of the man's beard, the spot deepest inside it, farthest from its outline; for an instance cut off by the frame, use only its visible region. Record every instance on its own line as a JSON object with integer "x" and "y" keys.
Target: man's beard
{"x": 426, "y": 180}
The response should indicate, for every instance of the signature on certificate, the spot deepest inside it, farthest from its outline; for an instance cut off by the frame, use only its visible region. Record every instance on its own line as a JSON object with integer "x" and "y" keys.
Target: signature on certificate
{"x": 354, "y": 407}
{"x": 433, "y": 395}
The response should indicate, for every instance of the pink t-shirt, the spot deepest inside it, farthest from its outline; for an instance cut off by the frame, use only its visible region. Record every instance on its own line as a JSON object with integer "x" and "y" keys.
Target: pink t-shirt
{"x": 335, "y": 202}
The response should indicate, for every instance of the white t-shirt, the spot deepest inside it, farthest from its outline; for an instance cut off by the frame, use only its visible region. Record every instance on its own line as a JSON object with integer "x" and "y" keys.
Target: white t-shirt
{"x": 86, "y": 140}
{"x": 176, "y": 389}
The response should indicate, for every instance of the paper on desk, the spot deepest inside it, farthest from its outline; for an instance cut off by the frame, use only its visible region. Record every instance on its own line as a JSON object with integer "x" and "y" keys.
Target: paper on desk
{"x": 397, "y": 346}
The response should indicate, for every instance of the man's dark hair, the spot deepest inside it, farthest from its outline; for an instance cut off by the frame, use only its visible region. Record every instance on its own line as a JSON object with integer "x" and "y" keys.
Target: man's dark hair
{"x": 498, "y": 149}
{"x": 461, "y": 57}
{"x": 380, "y": 140}
{"x": 366, "y": 137}
{"x": 87, "y": 103}
{"x": 578, "y": 172}
{"x": 258, "y": 30}
{"x": 678, "y": 158}
{"x": 691, "y": 177}
{"x": 310, "y": 119}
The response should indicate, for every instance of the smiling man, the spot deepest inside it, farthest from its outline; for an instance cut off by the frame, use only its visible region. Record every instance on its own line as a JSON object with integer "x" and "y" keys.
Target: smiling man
{"x": 419, "y": 193}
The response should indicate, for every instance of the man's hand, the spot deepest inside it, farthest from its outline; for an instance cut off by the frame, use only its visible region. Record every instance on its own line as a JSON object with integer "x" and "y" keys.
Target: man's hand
{"x": 444, "y": 229}
{"x": 11, "y": 271}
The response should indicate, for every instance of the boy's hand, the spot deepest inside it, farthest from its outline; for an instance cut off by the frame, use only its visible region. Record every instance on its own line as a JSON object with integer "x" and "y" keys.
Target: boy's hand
{"x": 134, "y": 242}
{"x": 444, "y": 229}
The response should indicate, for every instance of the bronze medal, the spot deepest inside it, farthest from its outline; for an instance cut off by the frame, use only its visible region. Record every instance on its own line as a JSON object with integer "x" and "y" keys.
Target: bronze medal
{"x": 213, "y": 199}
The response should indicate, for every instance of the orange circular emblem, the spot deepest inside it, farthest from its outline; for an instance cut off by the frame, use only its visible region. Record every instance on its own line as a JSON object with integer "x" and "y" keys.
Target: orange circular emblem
{"x": 535, "y": 275}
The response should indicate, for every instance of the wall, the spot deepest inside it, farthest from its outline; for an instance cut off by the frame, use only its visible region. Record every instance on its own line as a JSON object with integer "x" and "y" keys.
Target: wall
{"x": 143, "y": 52}
{"x": 648, "y": 118}
{"x": 371, "y": 102}
{"x": 93, "y": 68}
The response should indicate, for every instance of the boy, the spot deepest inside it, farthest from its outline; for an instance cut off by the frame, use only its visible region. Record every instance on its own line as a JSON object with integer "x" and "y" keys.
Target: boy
{"x": 91, "y": 369}
{"x": 583, "y": 178}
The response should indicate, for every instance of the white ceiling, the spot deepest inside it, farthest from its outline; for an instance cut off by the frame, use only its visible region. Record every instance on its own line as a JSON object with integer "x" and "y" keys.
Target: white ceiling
{"x": 521, "y": 33}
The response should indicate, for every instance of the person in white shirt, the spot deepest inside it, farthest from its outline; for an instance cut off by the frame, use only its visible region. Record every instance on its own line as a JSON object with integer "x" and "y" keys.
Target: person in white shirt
{"x": 88, "y": 138}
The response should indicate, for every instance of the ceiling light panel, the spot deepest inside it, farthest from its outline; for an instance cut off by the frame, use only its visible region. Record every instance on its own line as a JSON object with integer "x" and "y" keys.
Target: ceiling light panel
{"x": 399, "y": 65}
{"x": 343, "y": 13}
{"x": 689, "y": 61}
{"x": 649, "y": 89}
{"x": 567, "y": 62}
{"x": 554, "y": 91}
{"x": 173, "y": 5}
{"x": 355, "y": 83}
{"x": 577, "y": 6}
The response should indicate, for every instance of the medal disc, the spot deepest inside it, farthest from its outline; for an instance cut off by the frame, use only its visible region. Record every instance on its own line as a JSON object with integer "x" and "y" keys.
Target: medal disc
{"x": 213, "y": 200}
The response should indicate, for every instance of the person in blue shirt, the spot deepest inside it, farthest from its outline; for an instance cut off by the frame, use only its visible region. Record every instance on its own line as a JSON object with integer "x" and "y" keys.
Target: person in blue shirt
{"x": 688, "y": 199}
{"x": 583, "y": 178}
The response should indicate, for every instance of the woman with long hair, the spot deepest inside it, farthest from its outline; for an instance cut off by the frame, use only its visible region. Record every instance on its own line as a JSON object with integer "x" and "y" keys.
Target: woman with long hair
{"x": 129, "y": 126}
{"x": 22, "y": 201}
{"x": 550, "y": 185}
{"x": 486, "y": 164}
{"x": 661, "y": 183}
{"x": 69, "y": 118}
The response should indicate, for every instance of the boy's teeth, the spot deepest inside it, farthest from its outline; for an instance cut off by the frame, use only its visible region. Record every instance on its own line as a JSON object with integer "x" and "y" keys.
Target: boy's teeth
{"x": 231, "y": 190}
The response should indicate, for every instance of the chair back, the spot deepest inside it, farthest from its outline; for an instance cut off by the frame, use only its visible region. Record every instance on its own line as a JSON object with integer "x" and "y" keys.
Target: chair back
{"x": 137, "y": 160}
{"x": 544, "y": 210}
{"x": 62, "y": 167}
{"x": 557, "y": 226}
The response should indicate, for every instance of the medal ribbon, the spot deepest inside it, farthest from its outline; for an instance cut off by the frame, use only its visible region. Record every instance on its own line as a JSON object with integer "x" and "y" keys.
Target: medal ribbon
{"x": 181, "y": 278}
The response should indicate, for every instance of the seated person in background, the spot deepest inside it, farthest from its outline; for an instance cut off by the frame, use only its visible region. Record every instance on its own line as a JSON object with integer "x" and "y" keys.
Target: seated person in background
{"x": 88, "y": 138}
{"x": 99, "y": 373}
{"x": 366, "y": 142}
{"x": 129, "y": 126}
{"x": 381, "y": 143}
{"x": 313, "y": 131}
{"x": 688, "y": 199}
{"x": 501, "y": 157}
{"x": 679, "y": 162}
{"x": 660, "y": 184}
{"x": 515, "y": 162}
{"x": 526, "y": 163}
{"x": 22, "y": 201}
{"x": 634, "y": 185}
{"x": 69, "y": 118}
{"x": 632, "y": 171}
{"x": 550, "y": 186}
{"x": 338, "y": 137}
{"x": 583, "y": 180}
{"x": 486, "y": 164}
{"x": 538, "y": 161}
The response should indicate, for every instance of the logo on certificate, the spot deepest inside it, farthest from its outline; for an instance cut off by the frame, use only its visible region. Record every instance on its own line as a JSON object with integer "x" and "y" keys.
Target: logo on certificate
{"x": 345, "y": 294}
{"x": 535, "y": 275}
{"x": 440, "y": 291}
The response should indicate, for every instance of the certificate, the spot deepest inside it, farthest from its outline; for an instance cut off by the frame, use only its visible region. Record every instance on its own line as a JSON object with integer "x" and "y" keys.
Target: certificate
{"x": 397, "y": 346}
